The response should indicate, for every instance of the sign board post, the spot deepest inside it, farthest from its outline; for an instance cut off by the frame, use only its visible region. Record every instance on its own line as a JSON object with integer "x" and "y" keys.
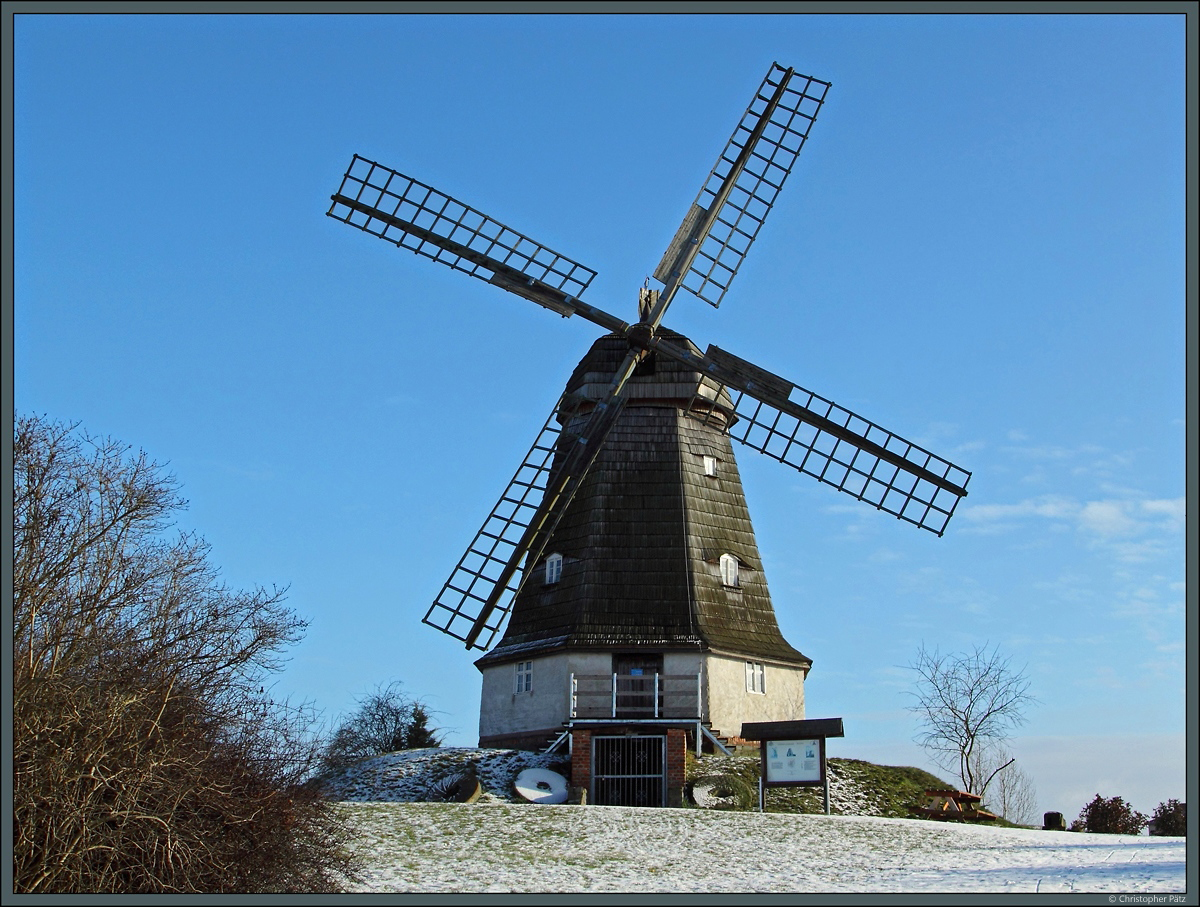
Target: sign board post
{"x": 793, "y": 753}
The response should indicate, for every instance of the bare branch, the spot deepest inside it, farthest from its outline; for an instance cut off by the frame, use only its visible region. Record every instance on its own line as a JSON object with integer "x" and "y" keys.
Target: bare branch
{"x": 967, "y": 704}
{"x": 147, "y": 758}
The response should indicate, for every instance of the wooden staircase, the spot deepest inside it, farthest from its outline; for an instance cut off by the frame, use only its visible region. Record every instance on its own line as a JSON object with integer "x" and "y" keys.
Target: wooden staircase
{"x": 717, "y": 738}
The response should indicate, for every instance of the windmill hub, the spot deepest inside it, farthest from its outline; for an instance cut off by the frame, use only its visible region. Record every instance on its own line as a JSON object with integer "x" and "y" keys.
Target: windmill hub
{"x": 641, "y": 335}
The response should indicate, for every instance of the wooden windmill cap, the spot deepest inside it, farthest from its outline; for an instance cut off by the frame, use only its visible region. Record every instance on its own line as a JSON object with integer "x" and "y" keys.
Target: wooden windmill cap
{"x": 659, "y": 381}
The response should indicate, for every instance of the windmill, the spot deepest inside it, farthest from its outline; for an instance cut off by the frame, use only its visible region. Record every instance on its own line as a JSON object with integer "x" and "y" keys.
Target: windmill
{"x": 623, "y": 538}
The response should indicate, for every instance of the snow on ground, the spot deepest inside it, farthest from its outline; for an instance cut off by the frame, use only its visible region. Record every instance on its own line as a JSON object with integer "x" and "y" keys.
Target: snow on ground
{"x": 499, "y": 844}
{"x": 528, "y": 848}
{"x": 405, "y": 776}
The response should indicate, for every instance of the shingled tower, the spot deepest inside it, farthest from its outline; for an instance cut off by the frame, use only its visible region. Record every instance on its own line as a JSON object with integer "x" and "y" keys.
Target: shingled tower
{"x": 653, "y": 568}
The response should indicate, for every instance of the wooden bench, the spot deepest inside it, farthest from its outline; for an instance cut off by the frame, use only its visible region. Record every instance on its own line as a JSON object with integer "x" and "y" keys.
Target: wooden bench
{"x": 953, "y": 806}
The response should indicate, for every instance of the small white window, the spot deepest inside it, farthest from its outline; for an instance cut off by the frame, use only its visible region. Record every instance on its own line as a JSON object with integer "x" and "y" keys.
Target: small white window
{"x": 553, "y": 568}
{"x": 756, "y": 677}
{"x": 524, "y": 676}
{"x": 710, "y": 465}
{"x": 729, "y": 570}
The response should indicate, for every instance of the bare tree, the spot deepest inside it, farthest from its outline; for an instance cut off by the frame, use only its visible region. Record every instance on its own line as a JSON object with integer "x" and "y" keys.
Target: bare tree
{"x": 386, "y": 720}
{"x": 965, "y": 705}
{"x": 149, "y": 756}
{"x": 1016, "y": 796}
{"x": 1006, "y": 789}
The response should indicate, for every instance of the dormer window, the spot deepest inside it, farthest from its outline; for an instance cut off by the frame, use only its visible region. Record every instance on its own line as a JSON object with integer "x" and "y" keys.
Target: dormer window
{"x": 710, "y": 465}
{"x": 729, "y": 571}
{"x": 553, "y": 569}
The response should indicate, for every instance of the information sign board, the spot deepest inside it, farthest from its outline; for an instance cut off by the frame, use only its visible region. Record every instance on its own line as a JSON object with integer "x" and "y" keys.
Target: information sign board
{"x": 794, "y": 761}
{"x": 793, "y": 752}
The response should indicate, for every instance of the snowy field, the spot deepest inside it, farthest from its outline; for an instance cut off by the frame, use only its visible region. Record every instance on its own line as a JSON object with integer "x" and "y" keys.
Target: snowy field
{"x": 508, "y": 847}
{"x": 498, "y": 845}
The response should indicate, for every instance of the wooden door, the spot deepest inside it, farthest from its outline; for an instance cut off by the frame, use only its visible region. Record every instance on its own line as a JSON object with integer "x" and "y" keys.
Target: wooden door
{"x": 635, "y": 684}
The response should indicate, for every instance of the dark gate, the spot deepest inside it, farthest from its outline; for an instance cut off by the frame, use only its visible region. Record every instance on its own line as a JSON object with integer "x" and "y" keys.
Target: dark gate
{"x": 629, "y": 771}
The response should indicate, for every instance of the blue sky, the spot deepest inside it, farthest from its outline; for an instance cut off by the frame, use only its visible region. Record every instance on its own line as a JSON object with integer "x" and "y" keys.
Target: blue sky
{"x": 981, "y": 248}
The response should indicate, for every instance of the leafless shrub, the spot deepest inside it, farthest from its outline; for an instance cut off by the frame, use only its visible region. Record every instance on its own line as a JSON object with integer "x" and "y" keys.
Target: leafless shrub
{"x": 148, "y": 754}
{"x": 1006, "y": 789}
{"x": 385, "y": 721}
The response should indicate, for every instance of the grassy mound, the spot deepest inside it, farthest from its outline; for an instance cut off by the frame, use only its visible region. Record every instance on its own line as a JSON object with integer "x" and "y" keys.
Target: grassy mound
{"x": 856, "y": 788}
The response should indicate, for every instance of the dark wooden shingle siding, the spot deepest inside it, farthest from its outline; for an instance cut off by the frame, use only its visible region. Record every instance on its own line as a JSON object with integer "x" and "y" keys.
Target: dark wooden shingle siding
{"x": 642, "y": 540}
{"x": 740, "y": 620}
{"x": 624, "y": 574}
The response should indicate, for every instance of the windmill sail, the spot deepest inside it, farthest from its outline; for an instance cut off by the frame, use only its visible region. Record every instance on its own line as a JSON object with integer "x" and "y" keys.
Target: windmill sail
{"x": 734, "y": 201}
{"x": 477, "y": 596}
{"x": 417, "y": 217}
{"x": 830, "y": 443}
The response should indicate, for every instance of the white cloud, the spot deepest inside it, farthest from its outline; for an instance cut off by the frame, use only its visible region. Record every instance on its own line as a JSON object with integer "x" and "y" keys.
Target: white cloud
{"x": 1047, "y": 460}
{"x": 968, "y": 447}
{"x": 1046, "y": 507}
{"x": 1173, "y": 510}
{"x": 1154, "y": 609}
{"x": 1111, "y": 518}
{"x": 1139, "y": 552}
{"x": 1107, "y": 518}
{"x": 1051, "y": 451}
{"x": 1124, "y": 517}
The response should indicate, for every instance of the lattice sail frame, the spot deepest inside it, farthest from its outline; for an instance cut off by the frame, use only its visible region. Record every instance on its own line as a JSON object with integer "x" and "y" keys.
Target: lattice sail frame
{"x": 834, "y": 445}
{"x": 479, "y": 593}
{"x": 417, "y": 217}
{"x": 760, "y": 155}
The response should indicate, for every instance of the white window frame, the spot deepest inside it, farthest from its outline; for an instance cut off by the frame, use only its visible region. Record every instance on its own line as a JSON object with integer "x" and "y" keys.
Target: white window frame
{"x": 756, "y": 677}
{"x": 553, "y": 568}
{"x": 710, "y": 465}
{"x": 729, "y": 571}
{"x": 524, "y": 678}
